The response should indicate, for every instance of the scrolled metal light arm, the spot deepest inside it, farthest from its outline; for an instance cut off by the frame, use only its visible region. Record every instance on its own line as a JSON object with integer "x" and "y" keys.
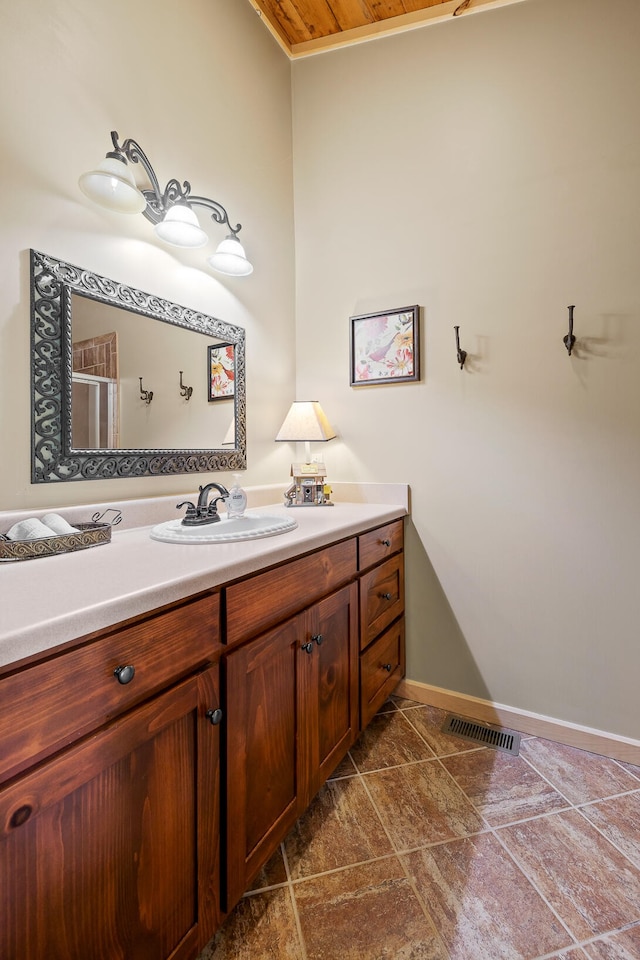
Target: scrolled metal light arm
{"x": 158, "y": 200}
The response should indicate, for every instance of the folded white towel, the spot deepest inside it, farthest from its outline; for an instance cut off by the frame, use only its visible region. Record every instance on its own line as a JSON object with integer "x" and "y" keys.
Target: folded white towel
{"x": 58, "y": 524}
{"x": 51, "y": 525}
{"x": 30, "y": 529}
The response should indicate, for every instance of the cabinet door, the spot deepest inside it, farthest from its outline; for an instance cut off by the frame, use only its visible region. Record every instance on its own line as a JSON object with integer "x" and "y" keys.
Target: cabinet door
{"x": 261, "y": 751}
{"x": 328, "y": 679}
{"x": 98, "y": 850}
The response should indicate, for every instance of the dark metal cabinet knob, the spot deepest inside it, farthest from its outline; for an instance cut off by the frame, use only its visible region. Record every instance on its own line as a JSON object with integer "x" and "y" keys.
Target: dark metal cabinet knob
{"x": 214, "y": 716}
{"x": 318, "y": 638}
{"x": 385, "y": 596}
{"x": 386, "y": 543}
{"x": 308, "y": 646}
{"x": 125, "y": 674}
{"x": 387, "y": 667}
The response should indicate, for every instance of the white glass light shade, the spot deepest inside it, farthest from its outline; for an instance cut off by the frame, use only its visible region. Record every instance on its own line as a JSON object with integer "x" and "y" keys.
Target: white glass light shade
{"x": 180, "y": 227}
{"x": 306, "y": 421}
{"x": 112, "y": 185}
{"x": 230, "y": 258}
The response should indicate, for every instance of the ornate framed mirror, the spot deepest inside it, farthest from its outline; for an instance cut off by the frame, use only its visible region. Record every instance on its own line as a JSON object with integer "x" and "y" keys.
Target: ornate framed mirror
{"x": 121, "y": 385}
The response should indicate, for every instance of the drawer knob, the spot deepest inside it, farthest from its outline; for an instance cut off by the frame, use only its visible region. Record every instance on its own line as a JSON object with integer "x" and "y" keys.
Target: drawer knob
{"x": 125, "y": 674}
{"x": 318, "y": 638}
{"x": 308, "y": 646}
{"x": 387, "y": 667}
{"x": 214, "y": 716}
{"x": 385, "y": 596}
{"x": 386, "y": 543}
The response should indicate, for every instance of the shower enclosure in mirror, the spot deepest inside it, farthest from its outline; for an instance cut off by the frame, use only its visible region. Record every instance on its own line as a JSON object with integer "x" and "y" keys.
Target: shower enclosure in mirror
{"x": 109, "y": 363}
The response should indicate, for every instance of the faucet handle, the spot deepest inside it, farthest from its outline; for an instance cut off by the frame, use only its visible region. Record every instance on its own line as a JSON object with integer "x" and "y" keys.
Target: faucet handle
{"x": 191, "y": 513}
{"x": 212, "y": 510}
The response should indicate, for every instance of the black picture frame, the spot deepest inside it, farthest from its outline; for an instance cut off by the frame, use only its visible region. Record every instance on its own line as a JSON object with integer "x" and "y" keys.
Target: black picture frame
{"x": 221, "y": 371}
{"x": 385, "y": 347}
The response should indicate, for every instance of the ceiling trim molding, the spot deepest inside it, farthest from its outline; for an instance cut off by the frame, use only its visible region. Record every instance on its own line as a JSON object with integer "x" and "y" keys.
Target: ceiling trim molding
{"x": 375, "y": 31}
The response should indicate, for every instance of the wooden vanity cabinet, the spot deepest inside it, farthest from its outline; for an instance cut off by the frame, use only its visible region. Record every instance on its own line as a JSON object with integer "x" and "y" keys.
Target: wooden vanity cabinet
{"x": 291, "y": 716}
{"x": 109, "y": 847}
{"x": 113, "y": 837}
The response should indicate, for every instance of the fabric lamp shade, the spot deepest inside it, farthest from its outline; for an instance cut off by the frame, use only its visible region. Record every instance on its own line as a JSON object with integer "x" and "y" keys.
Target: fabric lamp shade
{"x": 306, "y": 422}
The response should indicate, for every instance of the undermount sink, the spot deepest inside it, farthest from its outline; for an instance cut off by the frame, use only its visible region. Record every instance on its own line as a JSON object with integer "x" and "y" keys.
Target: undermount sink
{"x": 229, "y": 530}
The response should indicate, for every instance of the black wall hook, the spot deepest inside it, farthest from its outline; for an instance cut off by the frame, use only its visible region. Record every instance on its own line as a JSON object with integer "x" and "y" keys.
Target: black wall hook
{"x": 461, "y": 355}
{"x": 184, "y": 390}
{"x": 146, "y": 395}
{"x": 569, "y": 340}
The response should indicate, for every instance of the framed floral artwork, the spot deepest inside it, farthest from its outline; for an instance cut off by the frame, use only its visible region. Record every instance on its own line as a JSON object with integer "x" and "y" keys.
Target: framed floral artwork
{"x": 221, "y": 364}
{"x": 385, "y": 347}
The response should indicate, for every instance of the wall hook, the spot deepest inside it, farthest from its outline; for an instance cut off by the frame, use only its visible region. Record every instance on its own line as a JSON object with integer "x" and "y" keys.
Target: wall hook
{"x": 461, "y": 355}
{"x": 569, "y": 340}
{"x": 185, "y": 391}
{"x": 146, "y": 395}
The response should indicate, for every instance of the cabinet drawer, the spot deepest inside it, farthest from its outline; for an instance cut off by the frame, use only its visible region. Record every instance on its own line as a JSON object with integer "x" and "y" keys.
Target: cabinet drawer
{"x": 379, "y": 544}
{"x": 54, "y": 703}
{"x": 381, "y": 669}
{"x": 261, "y": 602}
{"x": 381, "y": 598}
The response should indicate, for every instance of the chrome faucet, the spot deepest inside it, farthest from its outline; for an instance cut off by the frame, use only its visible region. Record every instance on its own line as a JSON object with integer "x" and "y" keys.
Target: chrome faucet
{"x": 205, "y": 511}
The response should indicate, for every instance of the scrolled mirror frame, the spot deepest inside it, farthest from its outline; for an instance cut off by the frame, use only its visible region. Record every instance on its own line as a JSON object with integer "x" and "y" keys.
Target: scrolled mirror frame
{"x": 53, "y": 457}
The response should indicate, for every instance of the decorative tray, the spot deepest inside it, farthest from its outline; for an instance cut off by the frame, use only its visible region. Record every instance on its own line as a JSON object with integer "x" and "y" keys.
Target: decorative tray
{"x": 89, "y": 535}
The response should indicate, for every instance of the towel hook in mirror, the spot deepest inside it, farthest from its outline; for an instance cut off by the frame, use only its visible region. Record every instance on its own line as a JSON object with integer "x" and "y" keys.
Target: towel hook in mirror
{"x": 461, "y": 355}
{"x": 569, "y": 340}
{"x": 185, "y": 391}
{"x": 146, "y": 395}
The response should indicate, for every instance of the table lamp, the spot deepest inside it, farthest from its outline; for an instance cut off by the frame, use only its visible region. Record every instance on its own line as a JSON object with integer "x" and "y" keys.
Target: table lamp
{"x": 306, "y": 422}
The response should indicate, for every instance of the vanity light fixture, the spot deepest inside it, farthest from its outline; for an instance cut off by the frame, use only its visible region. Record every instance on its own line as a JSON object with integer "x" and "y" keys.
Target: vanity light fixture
{"x": 306, "y": 422}
{"x": 112, "y": 185}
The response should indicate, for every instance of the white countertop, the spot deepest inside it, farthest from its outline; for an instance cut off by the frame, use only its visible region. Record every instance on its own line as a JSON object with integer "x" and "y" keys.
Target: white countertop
{"x": 53, "y": 600}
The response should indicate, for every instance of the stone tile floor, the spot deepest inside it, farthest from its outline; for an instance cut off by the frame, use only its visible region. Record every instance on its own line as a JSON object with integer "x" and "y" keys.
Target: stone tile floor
{"x": 424, "y": 846}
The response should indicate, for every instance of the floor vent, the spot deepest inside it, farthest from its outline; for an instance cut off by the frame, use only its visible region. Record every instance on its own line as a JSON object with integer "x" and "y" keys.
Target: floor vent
{"x": 497, "y": 737}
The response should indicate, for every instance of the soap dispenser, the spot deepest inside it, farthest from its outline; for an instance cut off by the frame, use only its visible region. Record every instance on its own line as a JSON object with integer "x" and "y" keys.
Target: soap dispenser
{"x": 237, "y": 499}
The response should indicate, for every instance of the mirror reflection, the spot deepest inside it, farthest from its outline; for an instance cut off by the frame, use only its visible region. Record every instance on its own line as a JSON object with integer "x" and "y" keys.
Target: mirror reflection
{"x": 113, "y": 349}
{"x": 127, "y": 384}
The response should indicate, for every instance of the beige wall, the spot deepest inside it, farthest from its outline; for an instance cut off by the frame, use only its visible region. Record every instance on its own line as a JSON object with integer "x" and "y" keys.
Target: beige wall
{"x": 489, "y": 169}
{"x": 206, "y": 92}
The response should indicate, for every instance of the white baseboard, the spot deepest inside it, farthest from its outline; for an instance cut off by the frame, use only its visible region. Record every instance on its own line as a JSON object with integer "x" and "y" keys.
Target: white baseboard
{"x": 533, "y": 724}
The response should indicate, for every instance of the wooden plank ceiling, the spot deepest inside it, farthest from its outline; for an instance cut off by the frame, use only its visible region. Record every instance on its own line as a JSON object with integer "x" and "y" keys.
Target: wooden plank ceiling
{"x": 305, "y": 27}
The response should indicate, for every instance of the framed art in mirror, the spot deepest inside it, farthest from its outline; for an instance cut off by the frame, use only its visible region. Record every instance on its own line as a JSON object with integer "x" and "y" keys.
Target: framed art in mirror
{"x": 221, "y": 366}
